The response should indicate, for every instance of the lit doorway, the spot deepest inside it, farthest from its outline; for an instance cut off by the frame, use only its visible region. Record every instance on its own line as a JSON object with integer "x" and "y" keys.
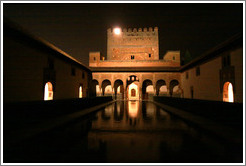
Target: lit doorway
{"x": 48, "y": 91}
{"x": 133, "y": 93}
{"x": 80, "y": 91}
{"x": 228, "y": 95}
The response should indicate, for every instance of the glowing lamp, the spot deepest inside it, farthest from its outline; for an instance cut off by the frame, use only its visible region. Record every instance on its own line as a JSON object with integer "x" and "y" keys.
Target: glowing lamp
{"x": 117, "y": 31}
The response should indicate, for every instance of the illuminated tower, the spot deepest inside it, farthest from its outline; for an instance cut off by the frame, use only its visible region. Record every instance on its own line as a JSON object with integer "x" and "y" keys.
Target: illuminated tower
{"x": 141, "y": 44}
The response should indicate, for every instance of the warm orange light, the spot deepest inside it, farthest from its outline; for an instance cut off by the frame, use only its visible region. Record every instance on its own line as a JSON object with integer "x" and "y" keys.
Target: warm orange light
{"x": 98, "y": 91}
{"x": 133, "y": 108}
{"x": 150, "y": 89}
{"x": 118, "y": 90}
{"x": 48, "y": 91}
{"x": 80, "y": 92}
{"x": 228, "y": 95}
{"x": 117, "y": 31}
{"x": 108, "y": 90}
{"x": 133, "y": 95}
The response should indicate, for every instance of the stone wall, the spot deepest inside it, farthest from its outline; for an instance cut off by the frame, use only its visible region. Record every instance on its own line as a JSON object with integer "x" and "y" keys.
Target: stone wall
{"x": 208, "y": 85}
{"x": 29, "y": 64}
{"x": 143, "y": 44}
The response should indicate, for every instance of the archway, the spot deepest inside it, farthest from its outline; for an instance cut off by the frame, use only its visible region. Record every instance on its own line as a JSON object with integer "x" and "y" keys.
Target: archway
{"x": 106, "y": 85}
{"x": 161, "y": 88}
{"x": 80, "y": 91}
{"x": 48, "y": 91}
{"x": 174, "y": 88}
{"x": 118, "y": 89}
{"x": 228, "y": 94}
{"x": 132, "y": 87}
{"x": 94, "y": 88}
{"x": 133, "y": 92}
{"x": 147, "y": 89}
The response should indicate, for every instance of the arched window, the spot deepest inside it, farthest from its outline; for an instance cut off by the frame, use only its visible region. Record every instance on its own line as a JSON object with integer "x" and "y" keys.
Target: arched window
{"x": 80, "y": 91}
{"x": 48, "y": 91}
{"x": 228, "y": 95}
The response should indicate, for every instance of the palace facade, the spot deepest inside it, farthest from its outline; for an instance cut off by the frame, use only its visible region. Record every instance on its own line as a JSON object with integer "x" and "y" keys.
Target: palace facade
{"x": 133, "y": 70}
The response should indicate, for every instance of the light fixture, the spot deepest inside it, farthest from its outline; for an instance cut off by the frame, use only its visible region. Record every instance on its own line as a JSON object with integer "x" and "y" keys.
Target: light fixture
{"x": 117, "y": 31}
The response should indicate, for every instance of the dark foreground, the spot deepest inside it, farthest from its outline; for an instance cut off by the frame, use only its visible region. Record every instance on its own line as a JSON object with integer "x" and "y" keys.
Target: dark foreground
{"x": 125, "y": 132}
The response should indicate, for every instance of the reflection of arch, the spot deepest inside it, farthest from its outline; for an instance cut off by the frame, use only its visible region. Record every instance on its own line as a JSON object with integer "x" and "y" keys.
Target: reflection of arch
{"x": 105, "y": 83}
{"x": 228, "y": 94}
{"x": 94, "y": 88}
{"x": 107, "y": 112}
{"x": 80, "y": 91}
{"x": 146, "y": 83}
{"x": 133, "y": 109}
{"x": 118, "y": 111}
{"x": 161, "y": 87}
{"x": 173, "y": 83}
{"x": 147, "y": 112}
{"x": 48, "y": 91}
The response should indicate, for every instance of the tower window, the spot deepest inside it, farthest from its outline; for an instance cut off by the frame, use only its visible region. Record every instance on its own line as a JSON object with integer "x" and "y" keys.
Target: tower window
{"x": 94, "y": 58}
{"x": 132, "y": 56}
{"x": 149, "y": 55}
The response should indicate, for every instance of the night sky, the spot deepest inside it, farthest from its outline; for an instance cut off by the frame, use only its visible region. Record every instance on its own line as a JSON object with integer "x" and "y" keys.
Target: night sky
{"x": 80, "y": 28}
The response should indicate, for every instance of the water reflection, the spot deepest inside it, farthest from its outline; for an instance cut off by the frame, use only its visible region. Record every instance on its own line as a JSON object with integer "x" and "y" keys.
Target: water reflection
{"x": 133, "y": 108}
{"x": 136, "y": 132}
{"x": 125, "y": 132}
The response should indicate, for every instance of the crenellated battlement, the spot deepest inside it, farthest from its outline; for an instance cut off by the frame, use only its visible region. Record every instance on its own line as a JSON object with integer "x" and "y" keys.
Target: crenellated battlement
{"x": 134, "y": 30}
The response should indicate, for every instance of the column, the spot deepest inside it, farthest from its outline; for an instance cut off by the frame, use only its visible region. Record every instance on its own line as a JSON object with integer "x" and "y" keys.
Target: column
{"x": 113, "y": 96}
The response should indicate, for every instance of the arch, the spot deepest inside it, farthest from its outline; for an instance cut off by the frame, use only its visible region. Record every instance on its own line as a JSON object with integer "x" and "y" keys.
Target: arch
{"x": 228, "y": 94}
{"x": 94, "y": 88}
{"x": 48, "y": 91}
{"x": 145, "y": 84}
{"x": 174, "y": 85}
{"x": 106, "y": 83}
{"x": 133, "y": 92}
{"x": 118, "y": 89}
{"x": 80, "y": 91}
{"x": 161, "y": 87}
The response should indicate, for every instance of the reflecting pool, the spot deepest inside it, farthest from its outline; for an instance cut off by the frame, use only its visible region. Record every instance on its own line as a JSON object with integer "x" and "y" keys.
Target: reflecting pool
{"x": 134, "y": 131}
{"x": 126, "y": 131}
